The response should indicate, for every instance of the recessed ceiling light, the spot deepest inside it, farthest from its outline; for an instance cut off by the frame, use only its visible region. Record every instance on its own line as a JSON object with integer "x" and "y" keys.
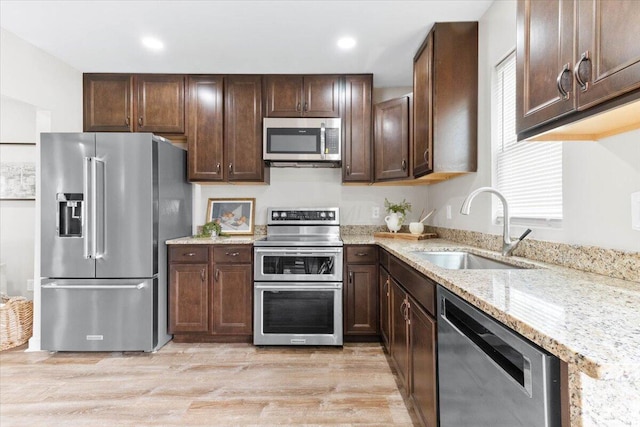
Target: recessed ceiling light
{"x": 346, "y": 42}
{"x": 152, "y": 43}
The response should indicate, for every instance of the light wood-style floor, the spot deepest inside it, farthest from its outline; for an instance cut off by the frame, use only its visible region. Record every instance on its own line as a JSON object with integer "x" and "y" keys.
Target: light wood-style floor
{"x": 204, "y": 385}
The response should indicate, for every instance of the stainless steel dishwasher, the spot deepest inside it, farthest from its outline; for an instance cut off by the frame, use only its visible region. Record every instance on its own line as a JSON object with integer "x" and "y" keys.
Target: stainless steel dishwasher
{"x": 488, "y": 375}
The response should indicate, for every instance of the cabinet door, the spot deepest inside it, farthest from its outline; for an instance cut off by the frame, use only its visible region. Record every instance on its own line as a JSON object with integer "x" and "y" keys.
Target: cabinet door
{"x": 399, "y": 333}
{"x": 243, "y": 128}
{"x": 283, "y": 96}
{"x": 108, "y": 102}
{"x": 188, "y": 298}
{"x": 422, "y": 108}
{"x": 544, "y": 61}
{"x": 357, "y": 156}
{"x": 160, "y": 103}
{"x": 385, "y": 324}
{"x": 391, "y": 139}
{"x": 321, "y": 96}
{"x": 608, "y": 40}
{"x": 205, "y": 128}
{"x": 422, "y": 350}
{"x": 232, "y": 299}
{"x": 361, "y": 300}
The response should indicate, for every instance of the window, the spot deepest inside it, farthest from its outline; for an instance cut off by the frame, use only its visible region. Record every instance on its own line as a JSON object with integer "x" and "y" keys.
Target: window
{"x": 528, "y": 174}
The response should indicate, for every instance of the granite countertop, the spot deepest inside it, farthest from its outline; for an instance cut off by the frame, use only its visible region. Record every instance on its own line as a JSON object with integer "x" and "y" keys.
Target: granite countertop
{"x": 588, "y": 320}
{"x": 222, "y": 240}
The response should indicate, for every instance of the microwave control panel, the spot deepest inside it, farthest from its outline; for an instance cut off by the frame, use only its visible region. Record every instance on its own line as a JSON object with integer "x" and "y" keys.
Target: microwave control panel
{"x": 332, "y": 141}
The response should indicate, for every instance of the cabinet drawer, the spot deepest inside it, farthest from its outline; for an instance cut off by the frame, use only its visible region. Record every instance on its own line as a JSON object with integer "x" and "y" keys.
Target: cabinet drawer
{"x": 361, "y": 254}
{"x": 422, "y": 289}
{"x": 232, "y": 254}
{"x": 183, "y": 253}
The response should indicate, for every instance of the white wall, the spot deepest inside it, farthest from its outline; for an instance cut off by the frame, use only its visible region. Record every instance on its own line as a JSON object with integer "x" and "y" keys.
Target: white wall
{"x": 598, "y": 177}
{"x": 39, "y": 93}
{"x": 314, "y": 188}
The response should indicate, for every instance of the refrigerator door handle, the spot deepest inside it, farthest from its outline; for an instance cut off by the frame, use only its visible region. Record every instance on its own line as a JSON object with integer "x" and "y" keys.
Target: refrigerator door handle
{"x": 87, "y": 221}
{"x": 107, "y": 287}
{"x": 99, "y": 208}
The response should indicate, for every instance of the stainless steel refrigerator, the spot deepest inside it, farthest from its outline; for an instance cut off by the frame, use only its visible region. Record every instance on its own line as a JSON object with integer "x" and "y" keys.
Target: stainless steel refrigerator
{"x": 108, "y": 203}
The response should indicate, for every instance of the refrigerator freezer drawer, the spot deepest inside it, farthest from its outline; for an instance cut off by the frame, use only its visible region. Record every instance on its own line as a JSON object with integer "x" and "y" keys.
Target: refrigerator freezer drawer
{"x": 99, "y": 314}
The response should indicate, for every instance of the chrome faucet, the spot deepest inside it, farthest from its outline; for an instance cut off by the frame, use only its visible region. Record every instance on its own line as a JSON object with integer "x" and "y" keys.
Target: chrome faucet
{"x": 508, "y": 246}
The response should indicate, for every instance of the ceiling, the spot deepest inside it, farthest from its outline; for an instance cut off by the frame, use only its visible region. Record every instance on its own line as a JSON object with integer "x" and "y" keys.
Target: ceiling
{"x": 262, "y": 37}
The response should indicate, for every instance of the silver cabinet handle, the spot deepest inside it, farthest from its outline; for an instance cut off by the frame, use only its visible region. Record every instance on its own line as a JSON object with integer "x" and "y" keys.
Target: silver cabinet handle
{"x": 189, "y": 254}
{"x": 232, "y": 253}
{"x": 217, "y": 275}
{"x": 218, "y": 167}
{"x": 230, "y": 168}
{"x": 348, "y": 170}
{"x": 350, "y": 276}
{"x": 306, "y": 106}
{"x": 127, "y": 121}
{"x": 404, "y": 165}
{"x": 584, "y": 85}
{"x": 361, "y": 254}
{"x": 298, "y": 107}
{"x": 140, "y": 121}
{"x": 202, "y": 275}
{"x": 561, "y": 89}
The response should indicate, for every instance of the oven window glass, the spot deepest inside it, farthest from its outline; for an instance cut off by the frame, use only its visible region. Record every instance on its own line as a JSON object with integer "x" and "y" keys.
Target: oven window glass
{"x": 303, "y": 141}
{"x": 298, "y": 264}
{"x": 297, "y": 312}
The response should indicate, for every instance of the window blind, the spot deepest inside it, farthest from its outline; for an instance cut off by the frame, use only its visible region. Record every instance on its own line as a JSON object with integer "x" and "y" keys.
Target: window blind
{"x": 528, "y": 174}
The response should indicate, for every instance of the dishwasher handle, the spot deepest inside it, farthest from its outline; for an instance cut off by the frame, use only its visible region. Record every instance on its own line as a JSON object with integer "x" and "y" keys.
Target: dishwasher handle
{"x": 511, "y": 362}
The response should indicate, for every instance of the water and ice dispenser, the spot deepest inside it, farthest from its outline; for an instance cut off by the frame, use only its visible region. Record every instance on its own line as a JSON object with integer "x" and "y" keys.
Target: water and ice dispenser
{"x": 69, "y": 223}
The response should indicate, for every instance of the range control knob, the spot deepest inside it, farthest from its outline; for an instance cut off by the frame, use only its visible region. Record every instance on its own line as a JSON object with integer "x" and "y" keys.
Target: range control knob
{"x": 330, "y": 214}
{"x": 322, "y": 214}
{"x": 283, "y": 214}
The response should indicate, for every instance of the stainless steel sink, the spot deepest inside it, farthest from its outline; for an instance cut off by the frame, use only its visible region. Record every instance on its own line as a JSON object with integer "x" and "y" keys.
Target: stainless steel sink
{"x": 462, "y": 261}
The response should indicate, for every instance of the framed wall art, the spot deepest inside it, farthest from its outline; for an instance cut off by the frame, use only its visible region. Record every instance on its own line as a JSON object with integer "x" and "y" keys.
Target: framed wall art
{"x": 235, "y": 216}
{"x": 17, "y": 171}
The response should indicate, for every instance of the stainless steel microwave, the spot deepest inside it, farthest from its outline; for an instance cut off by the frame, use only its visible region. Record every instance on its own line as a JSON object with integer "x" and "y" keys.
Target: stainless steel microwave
{"x": 302, "y": 140}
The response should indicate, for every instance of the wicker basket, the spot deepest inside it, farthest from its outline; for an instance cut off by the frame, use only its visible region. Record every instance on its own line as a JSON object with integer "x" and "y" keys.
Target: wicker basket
{"x": 16, "y": 322}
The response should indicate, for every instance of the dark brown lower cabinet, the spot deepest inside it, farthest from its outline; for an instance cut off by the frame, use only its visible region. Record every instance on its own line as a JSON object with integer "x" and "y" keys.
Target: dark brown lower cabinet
{"x": 422, "y": 359}
{"x": 210, "y": 293}
{"x": 399, "y": 348}
{"x": 385, "y": 297}
{"x": 407, "y": 309}
{"x": 360, "y": 293}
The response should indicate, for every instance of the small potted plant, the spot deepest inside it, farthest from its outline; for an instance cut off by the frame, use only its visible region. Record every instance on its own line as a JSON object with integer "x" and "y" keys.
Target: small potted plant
{"x": 211, "y": 229}
{"x": 397, "y": 212}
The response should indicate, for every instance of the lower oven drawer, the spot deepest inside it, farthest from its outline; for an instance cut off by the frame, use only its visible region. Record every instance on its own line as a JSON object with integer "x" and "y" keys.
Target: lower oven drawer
{"x": 298, "y": 264}
{"x": 298, "y": 314}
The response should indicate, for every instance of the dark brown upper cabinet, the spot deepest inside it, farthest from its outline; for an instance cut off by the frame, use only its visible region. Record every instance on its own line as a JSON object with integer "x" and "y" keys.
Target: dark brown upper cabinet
{"x": 134, "y": 103}
{"x": 445, "y": 102}
{"x": 205, "y": 128}
{"x": 303, "y": 96}
{"x": 108, "y": 103}
{"x": 575, "y": 60}
{"x": 391, "y": 139}
{"x": 357, "y": 157}
{"x": 243, "y": 128}
{"x": 544, "y": 62}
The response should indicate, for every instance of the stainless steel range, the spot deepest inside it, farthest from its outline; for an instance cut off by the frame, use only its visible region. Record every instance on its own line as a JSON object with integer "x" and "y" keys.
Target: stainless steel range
{"x": 298, "y": 278}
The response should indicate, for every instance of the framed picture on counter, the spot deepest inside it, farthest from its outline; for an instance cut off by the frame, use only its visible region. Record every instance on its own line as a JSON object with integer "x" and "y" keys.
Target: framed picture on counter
{"x": 235, "y": 216}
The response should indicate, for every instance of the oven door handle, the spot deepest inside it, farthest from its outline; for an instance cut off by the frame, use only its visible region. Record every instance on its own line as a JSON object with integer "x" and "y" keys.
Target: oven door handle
{"x": 299, "y": 251}
{"x": 296, "y": 288}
